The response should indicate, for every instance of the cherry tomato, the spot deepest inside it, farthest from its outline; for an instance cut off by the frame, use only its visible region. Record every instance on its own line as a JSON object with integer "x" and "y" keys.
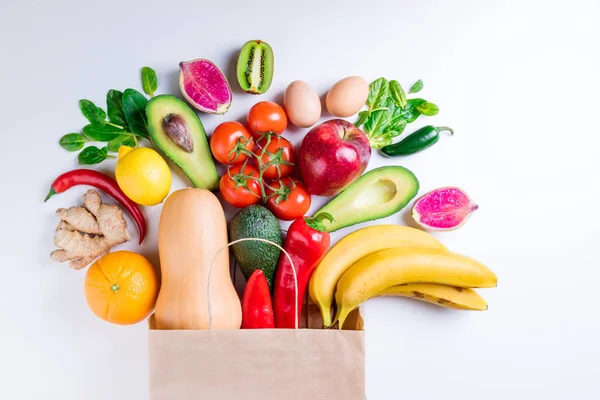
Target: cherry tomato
{"x": 281, "y": 152}
{"x": 297, "y": 203}
{"x": 266, "y": 116}
{"x": 224, "y": 141}
{"x": 238, "y": 188}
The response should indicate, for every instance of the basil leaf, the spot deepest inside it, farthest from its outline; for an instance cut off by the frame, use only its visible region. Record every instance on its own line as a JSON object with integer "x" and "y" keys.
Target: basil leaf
{"x": 377, "y": 122}
{"x": 91, "y": 113}
{"x": 72, "y": 142}
{"x": 114, "y": 106}
{"x": 104, "y": 133}
{"x": 428, "y": 109}
{"x": 92, "y": 155}
{"x": 362, "y": 117}
{"x": 416, "y": 87}
{"x": 123, "y": 140}
{"x": 134, "y": 105}
{"x": 410, "y": 113}
{"x": 149, "y": 81}
{"x": 397, "y": 94}
{"x": 378, "y": 93}
{"x": 101, "y": 113}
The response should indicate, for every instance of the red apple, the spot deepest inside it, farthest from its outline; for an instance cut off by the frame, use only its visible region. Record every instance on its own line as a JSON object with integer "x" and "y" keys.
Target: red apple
{"x": 332, "y": 156}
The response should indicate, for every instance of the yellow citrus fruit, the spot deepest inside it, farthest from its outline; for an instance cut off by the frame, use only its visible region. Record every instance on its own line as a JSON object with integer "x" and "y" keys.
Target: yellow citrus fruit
{"x": 143, "y": 175}
{"x": 122, "y": 288}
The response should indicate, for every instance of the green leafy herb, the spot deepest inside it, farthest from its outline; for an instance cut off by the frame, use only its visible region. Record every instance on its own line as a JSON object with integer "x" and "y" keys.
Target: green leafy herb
{"x": 93, "y": 155}
{"x": 410, "y": 113}
{"x": 101, "y": 113}
{"x": 397, "y": 94}
{"x": 114, "y": 106}
{"x": 134, "y": 105}
{"x": 72, "y": 142}
{"x": 123, "y": 140}
{"x": 92, "y": 113}
{"x": 378, "y": 93}
{"x": 362, "y": 117}
{"x": 416, "y": 87}
{"x": 428, "y": 109}
{"x": 104, "y": 133}
{"x": 149, "y": 81}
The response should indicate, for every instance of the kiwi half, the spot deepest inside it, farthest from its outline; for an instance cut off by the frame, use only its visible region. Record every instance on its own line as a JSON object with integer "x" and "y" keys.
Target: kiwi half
{"x": 255, "y": 67}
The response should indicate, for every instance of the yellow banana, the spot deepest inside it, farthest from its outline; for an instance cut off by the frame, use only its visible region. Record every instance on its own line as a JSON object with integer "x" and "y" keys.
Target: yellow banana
{"x": 441, "y": 295}
{"x": 354, "y": 247}
{"x": 378, "y": 271}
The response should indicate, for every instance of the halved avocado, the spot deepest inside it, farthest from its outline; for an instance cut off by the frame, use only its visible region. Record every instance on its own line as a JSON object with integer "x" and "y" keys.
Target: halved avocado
{"x": 377, "y": 194}
{"x": 176, "y": 130}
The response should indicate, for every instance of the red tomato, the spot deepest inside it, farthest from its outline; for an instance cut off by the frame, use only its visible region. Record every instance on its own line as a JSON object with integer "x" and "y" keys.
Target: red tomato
{"x": 238, "y": 188}
{"x": 294, "y": 199}
{"x": 266, "y": 116}
{"x": 224, "y": 141}
{"x": 278, "y": 150}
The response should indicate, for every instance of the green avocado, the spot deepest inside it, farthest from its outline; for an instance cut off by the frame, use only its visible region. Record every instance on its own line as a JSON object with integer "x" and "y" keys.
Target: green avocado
{"x": 377, "y": 194}
{"x": 178, "y": 132}
{"x": 256, "y": 222}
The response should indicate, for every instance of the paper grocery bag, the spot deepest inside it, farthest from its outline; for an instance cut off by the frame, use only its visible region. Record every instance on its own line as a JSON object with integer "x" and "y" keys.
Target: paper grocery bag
{"x": 265, "y": 364}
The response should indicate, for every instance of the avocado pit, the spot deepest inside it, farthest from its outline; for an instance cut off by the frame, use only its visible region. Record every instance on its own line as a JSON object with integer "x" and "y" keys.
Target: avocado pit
{"x": 177, "y": 131}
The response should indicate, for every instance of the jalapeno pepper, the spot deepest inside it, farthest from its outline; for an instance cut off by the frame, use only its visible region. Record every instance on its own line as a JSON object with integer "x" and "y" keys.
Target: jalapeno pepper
{"x": 417, "y": 141}
{"x": 307, "y": 241}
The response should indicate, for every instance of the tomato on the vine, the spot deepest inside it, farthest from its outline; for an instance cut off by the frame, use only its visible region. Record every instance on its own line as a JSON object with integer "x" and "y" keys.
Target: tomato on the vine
{"x": 266, "y": 116}
{"x": 228, "y": 141}
{"x": 240, "y": 187}
{"x": 279, "y": 151}
{"x": 288, "y": 199}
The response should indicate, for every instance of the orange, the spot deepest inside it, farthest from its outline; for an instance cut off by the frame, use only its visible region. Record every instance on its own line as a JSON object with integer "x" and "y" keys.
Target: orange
{"x": 122, "y": 287}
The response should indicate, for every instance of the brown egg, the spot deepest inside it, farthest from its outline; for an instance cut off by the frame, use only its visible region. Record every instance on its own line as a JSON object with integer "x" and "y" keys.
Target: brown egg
{"x": 302, "y": 104}
{"x": 347, "y": 96}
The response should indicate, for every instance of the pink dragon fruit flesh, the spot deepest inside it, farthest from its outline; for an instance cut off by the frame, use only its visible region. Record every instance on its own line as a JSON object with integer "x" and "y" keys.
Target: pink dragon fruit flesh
{"x": 204, "y": 86}
{"x": 443, "y": 209}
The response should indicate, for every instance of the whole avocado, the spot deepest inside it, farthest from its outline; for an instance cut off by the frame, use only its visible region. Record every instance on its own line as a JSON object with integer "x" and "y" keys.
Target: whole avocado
{"x": 256, "y": 222}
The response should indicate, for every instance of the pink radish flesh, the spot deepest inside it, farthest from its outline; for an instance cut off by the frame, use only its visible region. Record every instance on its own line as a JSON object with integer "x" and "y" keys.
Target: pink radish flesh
{"x": 443, "y": 209}
{"x": 204, "y": 86}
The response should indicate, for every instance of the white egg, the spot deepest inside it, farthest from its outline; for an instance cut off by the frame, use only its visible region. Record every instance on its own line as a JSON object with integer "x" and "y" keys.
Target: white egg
{"x": 347, "y": 96}
{"x": 302, "y": 104}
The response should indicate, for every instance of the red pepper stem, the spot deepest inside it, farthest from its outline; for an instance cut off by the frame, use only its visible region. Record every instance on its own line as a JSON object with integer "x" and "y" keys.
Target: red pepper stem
{"x": 316, "y": 222}
{"x": 51, "y": 193}
{"x": 444, "y": 128}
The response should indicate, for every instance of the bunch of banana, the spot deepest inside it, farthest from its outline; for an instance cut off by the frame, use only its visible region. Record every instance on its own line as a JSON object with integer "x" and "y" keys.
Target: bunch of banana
{"x": 394, "y": 260}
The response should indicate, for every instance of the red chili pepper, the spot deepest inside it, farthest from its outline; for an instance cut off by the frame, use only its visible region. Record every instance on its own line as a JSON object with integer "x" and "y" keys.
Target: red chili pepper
{"x": 307, "y": 242}
{"x": 104, "y": 183}
{"x": 257, "y": 310}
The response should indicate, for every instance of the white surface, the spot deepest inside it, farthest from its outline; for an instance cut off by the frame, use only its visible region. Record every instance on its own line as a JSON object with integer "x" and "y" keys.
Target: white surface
{"x": 518, "y": 81}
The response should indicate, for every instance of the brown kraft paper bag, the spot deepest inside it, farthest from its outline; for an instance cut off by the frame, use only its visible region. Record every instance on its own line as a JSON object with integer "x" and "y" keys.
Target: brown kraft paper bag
{"x": 265, "y": 364}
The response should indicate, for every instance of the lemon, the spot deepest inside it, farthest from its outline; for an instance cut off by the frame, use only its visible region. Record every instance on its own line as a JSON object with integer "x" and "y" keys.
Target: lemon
{"x": 143, "y": 175}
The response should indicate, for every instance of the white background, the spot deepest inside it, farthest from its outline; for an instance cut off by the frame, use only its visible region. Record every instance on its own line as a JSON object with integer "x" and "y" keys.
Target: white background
{"x": 518, "y": 81}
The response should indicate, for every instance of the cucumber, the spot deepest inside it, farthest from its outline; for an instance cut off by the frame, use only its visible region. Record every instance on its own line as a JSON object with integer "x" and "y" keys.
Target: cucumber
{"x": 256, "y": 222}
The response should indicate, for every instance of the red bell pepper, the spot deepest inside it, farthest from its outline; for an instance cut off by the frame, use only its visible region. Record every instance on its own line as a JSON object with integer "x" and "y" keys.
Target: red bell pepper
{"x": 307, "y": 242}
{"x": 257, "y": 310}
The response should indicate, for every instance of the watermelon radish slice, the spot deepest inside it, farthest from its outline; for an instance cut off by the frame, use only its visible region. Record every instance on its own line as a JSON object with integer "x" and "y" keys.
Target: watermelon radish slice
{"x": 443, "y": 209}
{"x": 204, "y": 86}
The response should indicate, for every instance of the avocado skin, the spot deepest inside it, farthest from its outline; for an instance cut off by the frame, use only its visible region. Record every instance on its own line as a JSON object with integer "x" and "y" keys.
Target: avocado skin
{"x": 256, "y": 222}
{"x": 343, "y": 207}
{"x": 198, "y": 165}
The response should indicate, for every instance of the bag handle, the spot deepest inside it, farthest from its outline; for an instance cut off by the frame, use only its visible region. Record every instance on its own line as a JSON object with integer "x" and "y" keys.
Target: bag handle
{"x": 252, "y": 240}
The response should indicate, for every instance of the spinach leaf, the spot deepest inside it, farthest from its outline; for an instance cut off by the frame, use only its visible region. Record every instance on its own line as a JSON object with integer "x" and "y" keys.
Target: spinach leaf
{"x": 123, "y": 140}
{"x": 93, "y": 155}
{"x": 428, "y": 109}
{"x": 72, "y": 142}
{"x": 149, "y": 81}
{"x": 114, "y": 106}
{"x": 134, "y": 105}
{"x": 377, "y": 122}
{"x": 416, "y": 87}
{"x": 362, "y": 117}
{"x": 92, "y": 113}
{"x": 378, "y": 93}
{"x": 410, "y": 113}
{"x": 104, "y": 133}
{"x": 397, "y": 94}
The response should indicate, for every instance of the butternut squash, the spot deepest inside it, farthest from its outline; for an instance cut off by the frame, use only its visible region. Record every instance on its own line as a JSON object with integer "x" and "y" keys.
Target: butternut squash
{"x": 192, "y": 229}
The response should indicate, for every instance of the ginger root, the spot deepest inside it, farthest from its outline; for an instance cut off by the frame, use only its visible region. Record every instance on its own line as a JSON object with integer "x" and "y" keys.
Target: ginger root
{"x": 86, "y": 233}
